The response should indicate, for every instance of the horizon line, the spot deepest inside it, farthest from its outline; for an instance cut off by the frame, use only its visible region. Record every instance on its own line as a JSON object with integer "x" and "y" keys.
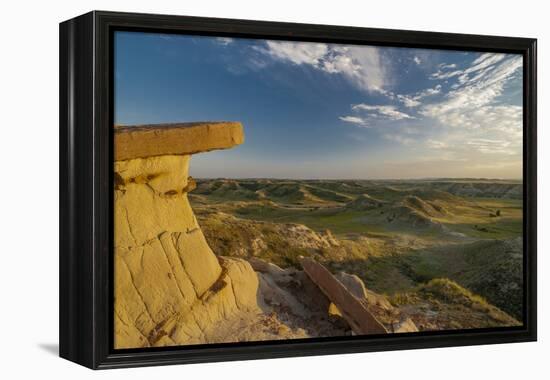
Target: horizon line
{"x": 367, "y": 179}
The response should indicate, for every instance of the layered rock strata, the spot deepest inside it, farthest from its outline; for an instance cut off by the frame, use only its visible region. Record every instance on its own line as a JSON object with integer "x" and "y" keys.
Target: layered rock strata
{"x": 170, "y": 288}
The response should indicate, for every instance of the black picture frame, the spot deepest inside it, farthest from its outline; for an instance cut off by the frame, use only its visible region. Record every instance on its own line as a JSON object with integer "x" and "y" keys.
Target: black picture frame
{"x": 86, "y": 178}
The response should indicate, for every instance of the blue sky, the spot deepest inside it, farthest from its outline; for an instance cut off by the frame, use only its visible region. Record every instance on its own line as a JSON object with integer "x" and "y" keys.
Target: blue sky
{"x": 315, "y": 110}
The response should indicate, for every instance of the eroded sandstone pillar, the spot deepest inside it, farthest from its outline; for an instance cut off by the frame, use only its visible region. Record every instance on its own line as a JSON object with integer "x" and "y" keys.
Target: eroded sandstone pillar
{"x": 165, "y": 272}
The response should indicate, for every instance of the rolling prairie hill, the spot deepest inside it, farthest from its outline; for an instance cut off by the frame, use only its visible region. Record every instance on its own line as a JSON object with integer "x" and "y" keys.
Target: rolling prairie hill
{"x": 447, "y": 249}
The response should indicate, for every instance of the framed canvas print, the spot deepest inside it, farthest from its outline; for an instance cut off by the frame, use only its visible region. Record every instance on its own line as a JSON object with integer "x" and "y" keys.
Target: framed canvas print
{"x": 238, "y": 189}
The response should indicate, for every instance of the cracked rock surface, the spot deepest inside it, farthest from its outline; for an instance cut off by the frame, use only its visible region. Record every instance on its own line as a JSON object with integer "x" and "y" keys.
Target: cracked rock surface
{"x": 170, "y": 288}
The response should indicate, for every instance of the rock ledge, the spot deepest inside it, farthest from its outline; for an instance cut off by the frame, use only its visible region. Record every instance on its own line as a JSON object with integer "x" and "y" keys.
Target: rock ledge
{"x": 142, "y": 141}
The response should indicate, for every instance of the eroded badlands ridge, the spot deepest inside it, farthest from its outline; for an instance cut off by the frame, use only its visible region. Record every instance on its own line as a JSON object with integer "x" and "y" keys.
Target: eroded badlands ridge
{"x": 170, "y": 287}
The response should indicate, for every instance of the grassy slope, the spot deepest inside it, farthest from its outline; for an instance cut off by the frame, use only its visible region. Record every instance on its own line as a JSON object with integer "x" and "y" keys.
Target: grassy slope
{"x": 413, "y": 234}
{"x": 491, "y": 268}
{"x": 443, "y": 304}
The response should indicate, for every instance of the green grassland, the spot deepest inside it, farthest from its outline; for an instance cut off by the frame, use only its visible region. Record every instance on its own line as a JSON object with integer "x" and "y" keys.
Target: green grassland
{"x": 400, "y": 237}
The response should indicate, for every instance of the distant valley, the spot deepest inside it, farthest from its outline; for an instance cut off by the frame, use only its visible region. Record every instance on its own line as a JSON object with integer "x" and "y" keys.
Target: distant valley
{"x": 446, "y": 252}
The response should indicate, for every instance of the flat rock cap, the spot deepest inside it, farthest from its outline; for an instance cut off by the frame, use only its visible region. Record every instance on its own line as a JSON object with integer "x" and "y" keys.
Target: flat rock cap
{"x": 141, "y": 141}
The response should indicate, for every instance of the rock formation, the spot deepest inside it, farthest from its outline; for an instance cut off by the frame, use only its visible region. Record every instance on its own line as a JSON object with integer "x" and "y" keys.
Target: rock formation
{"x": 347, "y": 303}
{"x": 175, "y": 139}
{"x": 170, "y": 287}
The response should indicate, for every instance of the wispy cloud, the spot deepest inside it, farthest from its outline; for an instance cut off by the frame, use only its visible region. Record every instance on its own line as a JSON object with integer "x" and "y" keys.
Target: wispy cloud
{"x": 440, "y": 74}
{"x": 491, "y": 146}
{"x": 447, "y": 66}
{"x": 413, "y": 100}
{"x": 399, "y": 138}
{"x": 385, "y": 111}
{"x": 298, "y": 53}
{"x": 409, "y": 101}
{"x": 435, "y": 144}
{"x": 462, "y": 108}
{"x": 467, "y": 121}
{"x": 224, "y": 40}
{"x": 471, "y": 103}
{"x": 367, "y": 115}
{"x": 354, "y": 120}
{"x": 476, "y": 120}
{"x": 362, "y": 66}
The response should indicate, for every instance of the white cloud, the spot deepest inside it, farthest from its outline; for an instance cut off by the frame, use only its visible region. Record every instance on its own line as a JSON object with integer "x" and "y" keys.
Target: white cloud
{"x": 472, "y": 114}
{"x": 430, "y": 91}
{"x": 224, "y": 40}
{"x": 445, "y": 75}
{"x": 408, "y": 101}
{"x": 491, "y": 146}
{"x": 369, "y": 115}
{"x": 388, "y": 112}
{"x": 413, "y": 100}
{"x": 367, "y": 71}
{"x": 297, "y": 53}
{"x": 354, "y": 120}
{"x": 390, "y": 94}
{"x": 435, "y": 144}
{"x": 447, "y": 66}
{"x": 467, "y": 122}
{"x": 470, "y": 104}
{"x": 403, "y": 140}
{"x": 362, "y": 66}
{"x": 479, "y": 67}
{"x": 485, "y": 60}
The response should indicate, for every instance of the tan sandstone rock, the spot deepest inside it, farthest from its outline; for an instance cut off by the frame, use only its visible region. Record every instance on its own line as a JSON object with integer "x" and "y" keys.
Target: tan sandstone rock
{"x": 360, "y": 319}
{"x": 391, "y": 317}
{"x": 141, "y": 141}
{"x": 170, "y": 288}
